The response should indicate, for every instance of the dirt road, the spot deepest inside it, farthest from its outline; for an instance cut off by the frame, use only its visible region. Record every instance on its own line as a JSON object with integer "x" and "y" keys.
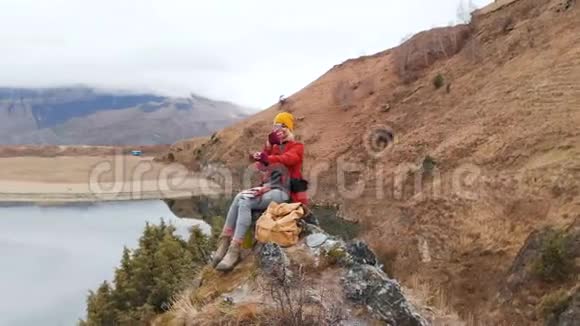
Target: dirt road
{"x": 95, "y": 178}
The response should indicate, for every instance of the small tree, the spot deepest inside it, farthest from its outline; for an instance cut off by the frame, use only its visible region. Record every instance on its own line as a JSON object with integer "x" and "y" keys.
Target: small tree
{"x": 148, "y": 277}
{"x": 100, "y": 309}
{"x": 199, "y": 244}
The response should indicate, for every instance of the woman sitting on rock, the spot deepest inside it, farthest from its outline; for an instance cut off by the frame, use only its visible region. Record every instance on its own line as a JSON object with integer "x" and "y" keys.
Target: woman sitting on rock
{"x": 281, "y": 160}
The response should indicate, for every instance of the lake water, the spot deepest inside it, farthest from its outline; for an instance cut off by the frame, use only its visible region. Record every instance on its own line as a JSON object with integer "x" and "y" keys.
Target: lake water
{"x": 51, "y": 256}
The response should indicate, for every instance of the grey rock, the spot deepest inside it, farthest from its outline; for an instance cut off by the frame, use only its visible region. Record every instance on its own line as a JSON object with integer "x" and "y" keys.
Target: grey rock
{"x": 369, "y": 286}
{"x": 274, "y": 261}
{"x": 361, "y": 253}
{"x": 316, "y": 240}
{"x": 521, "y": 273}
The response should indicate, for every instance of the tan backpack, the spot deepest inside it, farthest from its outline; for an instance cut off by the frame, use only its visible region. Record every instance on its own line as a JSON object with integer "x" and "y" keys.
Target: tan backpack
{"x": 279, "y": 224}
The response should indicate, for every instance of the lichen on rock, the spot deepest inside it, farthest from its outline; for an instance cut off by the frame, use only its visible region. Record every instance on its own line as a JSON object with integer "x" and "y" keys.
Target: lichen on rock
{"x": 273, "y": 261}
{"x": 361, "y": 253}
{"x": 369, "y": 286}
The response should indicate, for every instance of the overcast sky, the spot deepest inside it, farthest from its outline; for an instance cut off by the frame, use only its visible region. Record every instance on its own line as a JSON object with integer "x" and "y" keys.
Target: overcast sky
{"x": 249, "y": 52}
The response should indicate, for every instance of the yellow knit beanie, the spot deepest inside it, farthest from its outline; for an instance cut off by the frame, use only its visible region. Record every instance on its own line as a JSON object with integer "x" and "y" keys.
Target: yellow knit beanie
{"x": 286, "y": 119}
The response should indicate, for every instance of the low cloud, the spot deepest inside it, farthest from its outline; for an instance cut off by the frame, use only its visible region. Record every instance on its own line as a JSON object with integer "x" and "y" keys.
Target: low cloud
{"x": 248, "y": 52}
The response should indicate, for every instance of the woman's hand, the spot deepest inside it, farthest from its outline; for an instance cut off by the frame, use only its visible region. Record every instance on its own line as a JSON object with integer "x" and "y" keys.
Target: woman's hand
{"x": 275, "y": 137}
{"x": 252, "y": 156}
{"x": 261, "y": 157}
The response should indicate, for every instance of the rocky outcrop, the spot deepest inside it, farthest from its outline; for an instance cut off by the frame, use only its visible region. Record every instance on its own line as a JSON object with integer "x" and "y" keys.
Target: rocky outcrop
{"x": 547, "y": 254}
{"x": 361, "y": 253}
{"x": 363, "y": 282}
{"x": 273, "y": 261}
{"x": 369, "y": 286}
{"x": 518, "y": 273}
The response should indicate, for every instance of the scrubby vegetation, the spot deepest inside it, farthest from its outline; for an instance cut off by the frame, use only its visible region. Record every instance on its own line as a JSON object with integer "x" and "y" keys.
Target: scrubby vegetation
{"x": 387, "y": 256}
{"x": 294, "y": 304}
{"x": 148, "y": 277}
{"x": 554, "y": 304}
{"x": 428, "y": 165}
{"x": 438, "y": 81}
{"x": 554, "y": 262}
{"x": 334, "y": 254}
{"x": 289, "y": 300}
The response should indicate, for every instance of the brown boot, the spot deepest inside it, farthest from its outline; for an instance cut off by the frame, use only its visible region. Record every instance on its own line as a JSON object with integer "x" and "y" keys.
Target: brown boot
{"x": 221, "y": 251}
{"x": 231, "y": 258}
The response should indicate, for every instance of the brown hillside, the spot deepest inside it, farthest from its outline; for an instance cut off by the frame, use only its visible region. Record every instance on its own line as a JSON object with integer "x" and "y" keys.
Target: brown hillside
{"x": 503, "y": 133}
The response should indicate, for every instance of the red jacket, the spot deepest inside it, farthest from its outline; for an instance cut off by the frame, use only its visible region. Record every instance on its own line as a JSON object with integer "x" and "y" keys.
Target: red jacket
{"x": 291, "y": 155}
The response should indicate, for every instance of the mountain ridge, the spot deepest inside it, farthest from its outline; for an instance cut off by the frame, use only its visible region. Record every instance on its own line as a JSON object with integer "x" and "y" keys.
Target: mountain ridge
{"x": 83, "y": 115}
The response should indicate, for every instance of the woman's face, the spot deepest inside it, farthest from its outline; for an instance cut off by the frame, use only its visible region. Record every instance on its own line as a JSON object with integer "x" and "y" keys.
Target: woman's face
{"x": 281, "y": 127}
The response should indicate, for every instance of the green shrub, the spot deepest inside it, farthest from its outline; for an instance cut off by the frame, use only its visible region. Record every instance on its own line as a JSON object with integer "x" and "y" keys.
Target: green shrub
{"x": 554, "y": 262}
{"x": 428, "y": 165}
{"x": 334, "y": 224}
{"x": 335, "y": 254}
{"x": 438, "y": 81}
{"x": 554, "y": 304}
{"x": 217, "y": 224}
{"x": 214, "y": 138}
{"x": 148, "y": 277}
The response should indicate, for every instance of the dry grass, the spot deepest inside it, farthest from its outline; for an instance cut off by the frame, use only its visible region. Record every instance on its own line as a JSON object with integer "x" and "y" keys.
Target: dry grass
{"x": 435, "y": 300}
{"x": 485, "y": 231}
{"x": 387, "y": 255}
{"x": 295, "y": 303}
{"x": 287, "y": 302}
{"x": 196, "y": 304}
{"x": 436, "y": 305}
{"x": 215, "y": 283}
{"x": 421, "y": 51}
{"x": 224, "y": 315}
{"x": 184, "y": 307}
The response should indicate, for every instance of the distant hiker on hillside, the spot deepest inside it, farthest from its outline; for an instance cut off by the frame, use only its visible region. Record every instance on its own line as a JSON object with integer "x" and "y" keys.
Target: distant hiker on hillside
{"x": 281, "y": 162}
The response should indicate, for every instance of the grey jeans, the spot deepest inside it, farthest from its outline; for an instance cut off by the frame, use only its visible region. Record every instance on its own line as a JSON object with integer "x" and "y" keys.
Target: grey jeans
{"x": 239, "y": 216}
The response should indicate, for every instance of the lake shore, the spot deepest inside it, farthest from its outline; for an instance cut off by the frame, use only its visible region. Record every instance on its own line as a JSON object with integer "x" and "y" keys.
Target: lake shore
{"x": 69, "y": 179}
